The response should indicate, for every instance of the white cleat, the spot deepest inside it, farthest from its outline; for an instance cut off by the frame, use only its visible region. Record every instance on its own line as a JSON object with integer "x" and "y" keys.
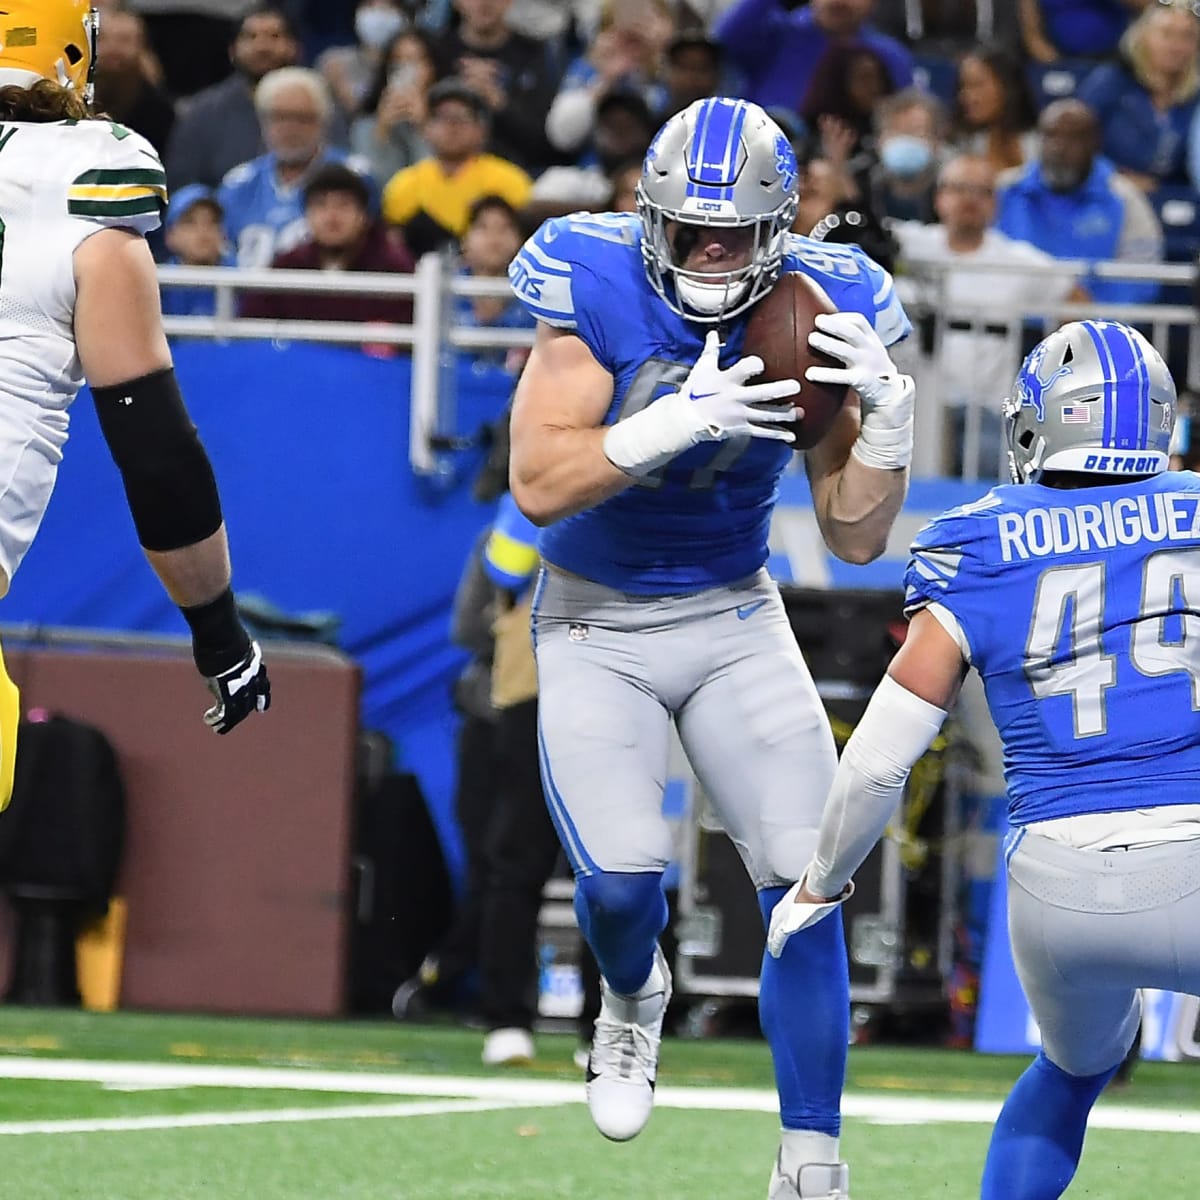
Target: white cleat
{"x": 817, "y": 1181}
{"x": 623, "y": 1065}
{"x": 508, "y": 1048}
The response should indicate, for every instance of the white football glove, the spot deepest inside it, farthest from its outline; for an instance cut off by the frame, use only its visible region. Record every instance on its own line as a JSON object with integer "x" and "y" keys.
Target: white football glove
{"x": 886, "y": 438}
{"x": 712, "y": 406}
{"x": 790, "y": 916}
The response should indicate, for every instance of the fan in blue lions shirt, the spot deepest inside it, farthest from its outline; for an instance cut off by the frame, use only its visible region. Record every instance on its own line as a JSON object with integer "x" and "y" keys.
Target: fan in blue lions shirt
{"x": 263, "y": 199}
{"x": 641, "y": 444}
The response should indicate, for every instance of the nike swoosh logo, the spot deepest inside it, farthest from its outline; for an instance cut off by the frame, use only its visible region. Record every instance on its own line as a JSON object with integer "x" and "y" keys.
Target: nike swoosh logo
{"x": 746, "y": 611}
{"x": 702, "y": 396}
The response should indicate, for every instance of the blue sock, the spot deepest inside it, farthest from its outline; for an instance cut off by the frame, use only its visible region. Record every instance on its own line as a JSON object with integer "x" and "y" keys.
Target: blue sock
{"x": 621, "y": 916}
{"x": 804, "y": 1010}
{"x": 1038, "y": 1136}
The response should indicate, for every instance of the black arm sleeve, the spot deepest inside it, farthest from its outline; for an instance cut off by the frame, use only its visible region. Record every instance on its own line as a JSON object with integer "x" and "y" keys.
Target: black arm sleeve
{"x": 168, "y": 479}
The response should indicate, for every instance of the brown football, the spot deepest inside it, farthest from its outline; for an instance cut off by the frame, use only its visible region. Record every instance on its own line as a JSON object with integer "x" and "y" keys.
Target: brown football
{"x": 778, "y": 332}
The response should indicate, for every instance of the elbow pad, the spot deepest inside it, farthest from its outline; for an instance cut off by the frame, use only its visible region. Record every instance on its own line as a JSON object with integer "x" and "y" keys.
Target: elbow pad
{"x": 168, "y": 479}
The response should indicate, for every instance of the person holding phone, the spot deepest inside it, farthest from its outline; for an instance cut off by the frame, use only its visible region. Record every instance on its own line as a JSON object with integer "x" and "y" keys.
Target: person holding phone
{"x": 388, "y": 133}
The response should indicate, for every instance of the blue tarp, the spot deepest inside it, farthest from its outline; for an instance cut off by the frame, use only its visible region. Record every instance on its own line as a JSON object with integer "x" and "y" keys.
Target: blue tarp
{"x": 310, "y": 446}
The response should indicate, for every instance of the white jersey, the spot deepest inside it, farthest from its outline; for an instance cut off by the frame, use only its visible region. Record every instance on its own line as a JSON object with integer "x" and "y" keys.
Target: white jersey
{"x": 59, "y": 184}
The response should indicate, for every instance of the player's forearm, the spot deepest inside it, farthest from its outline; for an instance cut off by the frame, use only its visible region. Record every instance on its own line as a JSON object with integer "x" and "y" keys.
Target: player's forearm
{"x": 896, "y": 729}
{"x": 196, "y": 574}
{"x": 857, "y": 509}
{"x": 564, "y": 473}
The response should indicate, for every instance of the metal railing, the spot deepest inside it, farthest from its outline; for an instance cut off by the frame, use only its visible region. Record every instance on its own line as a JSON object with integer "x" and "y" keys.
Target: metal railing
{"x": 435, "y": 284}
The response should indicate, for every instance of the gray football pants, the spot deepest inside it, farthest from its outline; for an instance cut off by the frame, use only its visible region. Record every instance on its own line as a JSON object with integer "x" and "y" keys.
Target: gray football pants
{"x": 1089, "y": 928}
{"x": 614, "y": 669}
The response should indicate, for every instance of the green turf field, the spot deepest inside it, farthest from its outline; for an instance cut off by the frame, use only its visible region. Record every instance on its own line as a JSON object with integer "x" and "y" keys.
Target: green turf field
{"x": 133, "y": 1107}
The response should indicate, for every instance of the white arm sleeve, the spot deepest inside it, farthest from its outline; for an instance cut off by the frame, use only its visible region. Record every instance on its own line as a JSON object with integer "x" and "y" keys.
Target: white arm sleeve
{"x": 897, "y": 728}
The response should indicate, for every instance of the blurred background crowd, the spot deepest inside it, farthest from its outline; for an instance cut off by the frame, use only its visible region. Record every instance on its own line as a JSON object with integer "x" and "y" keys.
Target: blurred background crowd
{"x": 338, "y": 136}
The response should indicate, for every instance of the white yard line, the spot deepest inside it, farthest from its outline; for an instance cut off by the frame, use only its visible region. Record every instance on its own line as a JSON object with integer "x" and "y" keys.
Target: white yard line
{"x": 276, "y": 1116}
{"x": 494, "y": 1091}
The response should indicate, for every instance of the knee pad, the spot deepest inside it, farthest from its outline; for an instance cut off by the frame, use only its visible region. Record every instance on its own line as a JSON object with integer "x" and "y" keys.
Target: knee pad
{"x": 621, "y": 917}
{"x": 620, "y": 898}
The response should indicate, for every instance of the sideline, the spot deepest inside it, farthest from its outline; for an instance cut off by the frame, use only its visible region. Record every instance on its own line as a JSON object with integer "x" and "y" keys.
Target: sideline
{"x": 489, "y": 1092}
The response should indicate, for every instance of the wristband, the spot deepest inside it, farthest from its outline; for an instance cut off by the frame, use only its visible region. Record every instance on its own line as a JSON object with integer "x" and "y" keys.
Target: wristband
{"x": 649, "y": 439}
{"x": 884, "y": 447}
{"x": 219, "y": 640}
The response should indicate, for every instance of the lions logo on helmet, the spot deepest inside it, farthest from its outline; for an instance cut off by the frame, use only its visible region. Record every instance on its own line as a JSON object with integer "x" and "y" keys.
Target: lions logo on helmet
{"x": 1030, "y": 384}
{"x": 720, "y": 162}
{"x": 1094, "y": 396}
{"x": 48, "y": 39}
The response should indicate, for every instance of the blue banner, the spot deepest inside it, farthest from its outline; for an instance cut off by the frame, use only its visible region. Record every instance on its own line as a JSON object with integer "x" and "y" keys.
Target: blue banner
{"x": 310, "y": 447}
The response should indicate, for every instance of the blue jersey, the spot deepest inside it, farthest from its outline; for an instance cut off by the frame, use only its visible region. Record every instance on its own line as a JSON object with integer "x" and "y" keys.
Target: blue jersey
{"x": 264, "y": 217}
{"x": 702, "y": 520}
{"x": 1081, "y": 611}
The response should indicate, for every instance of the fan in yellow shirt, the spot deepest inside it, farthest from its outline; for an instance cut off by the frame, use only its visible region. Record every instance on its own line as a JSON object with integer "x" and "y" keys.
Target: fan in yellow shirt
{"x": 431, "y": 200}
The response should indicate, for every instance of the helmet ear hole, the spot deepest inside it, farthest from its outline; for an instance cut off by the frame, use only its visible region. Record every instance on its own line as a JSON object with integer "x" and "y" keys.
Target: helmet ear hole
{"x": 74, "y": 54}
{"x": 1026, "y": 439}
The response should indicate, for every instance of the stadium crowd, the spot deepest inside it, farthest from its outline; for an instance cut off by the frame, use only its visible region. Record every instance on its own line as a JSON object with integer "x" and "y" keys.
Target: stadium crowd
{"x": 359, "y": 137}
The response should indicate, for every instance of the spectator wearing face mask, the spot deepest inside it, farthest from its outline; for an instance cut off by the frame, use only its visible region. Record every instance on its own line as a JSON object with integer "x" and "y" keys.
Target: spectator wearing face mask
{"x": 901, "y": 174}
{"x": 351, "y": 71}
{"x": 388, "y": 131}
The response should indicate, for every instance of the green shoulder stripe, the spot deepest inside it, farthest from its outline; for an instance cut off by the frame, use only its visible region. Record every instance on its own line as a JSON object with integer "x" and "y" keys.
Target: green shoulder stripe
{"x": 145, "y": 205}
{"x": 122, "y": 177}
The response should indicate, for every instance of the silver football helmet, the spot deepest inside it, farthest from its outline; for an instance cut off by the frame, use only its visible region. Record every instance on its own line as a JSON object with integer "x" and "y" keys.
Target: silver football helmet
{"x": 1094, "y": 396}
{"x": 719, "y": 162}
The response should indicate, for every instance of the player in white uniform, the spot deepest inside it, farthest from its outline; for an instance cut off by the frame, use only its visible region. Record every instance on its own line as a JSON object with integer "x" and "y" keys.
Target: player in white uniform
{"x": 79, "y": 299}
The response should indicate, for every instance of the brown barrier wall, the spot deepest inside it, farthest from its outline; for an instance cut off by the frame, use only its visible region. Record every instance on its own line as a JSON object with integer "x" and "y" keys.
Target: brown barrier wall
{"x": 235, "y": 866}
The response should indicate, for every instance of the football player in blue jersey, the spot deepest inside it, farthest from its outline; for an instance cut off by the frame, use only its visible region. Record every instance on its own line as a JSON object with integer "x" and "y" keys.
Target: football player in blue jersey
{"x": 1076, "y": 596}
{"x": 652, "y": 461}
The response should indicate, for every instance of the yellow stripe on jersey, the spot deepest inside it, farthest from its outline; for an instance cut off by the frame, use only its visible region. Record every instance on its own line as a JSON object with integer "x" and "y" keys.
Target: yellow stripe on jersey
{"x": 114, "y": 192}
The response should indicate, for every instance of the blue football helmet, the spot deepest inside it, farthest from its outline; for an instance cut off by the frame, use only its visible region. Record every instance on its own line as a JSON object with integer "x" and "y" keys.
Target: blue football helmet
{"x": 1094, "y": 396}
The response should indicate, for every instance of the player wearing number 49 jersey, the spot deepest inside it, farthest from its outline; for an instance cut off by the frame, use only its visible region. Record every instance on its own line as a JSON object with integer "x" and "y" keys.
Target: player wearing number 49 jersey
{"x": 643, "y": 445}
{"x": 1076, "y": 596}
{"x": 79, "y": 299}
